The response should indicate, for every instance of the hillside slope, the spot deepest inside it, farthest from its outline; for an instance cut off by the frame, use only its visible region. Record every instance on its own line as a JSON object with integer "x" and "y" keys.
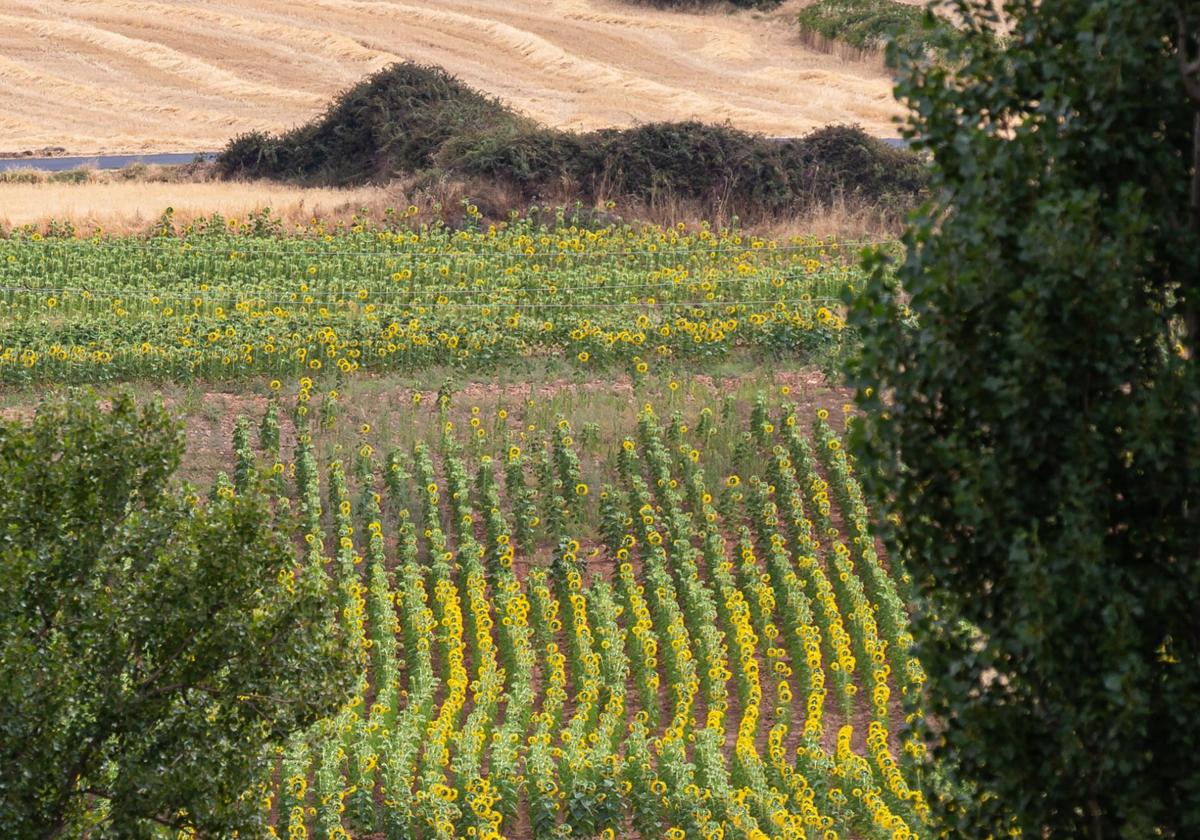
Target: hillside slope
{"x": 97, "y": 76}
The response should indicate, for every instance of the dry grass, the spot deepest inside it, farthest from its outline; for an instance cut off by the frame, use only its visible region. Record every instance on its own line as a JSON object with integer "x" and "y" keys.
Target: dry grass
{"x": 97, "y": 76}
{"x": 116, "y": 204}
{"x": 131, "y": 206}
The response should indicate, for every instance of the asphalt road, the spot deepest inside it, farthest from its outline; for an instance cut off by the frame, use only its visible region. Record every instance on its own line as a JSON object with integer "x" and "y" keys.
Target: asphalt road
{"x": 60, "y": 164}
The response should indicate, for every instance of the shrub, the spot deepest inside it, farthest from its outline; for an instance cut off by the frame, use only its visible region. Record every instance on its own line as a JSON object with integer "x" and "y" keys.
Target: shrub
{"x": 844, "y": 158}
{"x": 250, "y": 155}
{"x": 152, "y": 651}
{"x": 870, "y": 24}
{"x": 78, "y": 175}
{"x": 394, "y": 121}
{"x": 699, "y": 4}
{"x": 532, "y": 160}
{"x": 691, "y": 160}
{"x": 412, "y": 119}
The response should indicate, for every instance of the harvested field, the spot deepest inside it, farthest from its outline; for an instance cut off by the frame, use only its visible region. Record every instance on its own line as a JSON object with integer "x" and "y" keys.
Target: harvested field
{"x": 187, "y": 76}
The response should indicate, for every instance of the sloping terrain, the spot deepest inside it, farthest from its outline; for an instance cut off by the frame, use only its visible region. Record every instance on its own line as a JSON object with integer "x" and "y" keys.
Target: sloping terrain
{"x": 95, "y": 76}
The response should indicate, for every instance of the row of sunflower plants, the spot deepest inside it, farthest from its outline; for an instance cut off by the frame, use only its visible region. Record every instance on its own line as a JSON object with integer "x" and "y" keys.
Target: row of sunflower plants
{"x": 669, "y": 678}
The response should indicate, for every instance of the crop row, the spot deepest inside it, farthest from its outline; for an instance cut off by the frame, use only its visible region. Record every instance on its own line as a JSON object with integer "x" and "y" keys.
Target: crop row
{"x": 219, "y": 304}
{"x": 672, "y": 653}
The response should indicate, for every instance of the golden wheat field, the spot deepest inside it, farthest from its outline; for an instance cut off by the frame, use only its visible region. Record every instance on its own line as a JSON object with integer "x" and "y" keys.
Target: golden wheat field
{"x": 187, "y": 75}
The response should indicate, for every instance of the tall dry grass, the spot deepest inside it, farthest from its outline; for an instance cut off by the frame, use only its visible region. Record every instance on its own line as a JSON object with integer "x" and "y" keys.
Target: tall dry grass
{"x": 123, "y": 202}
{"x": 134, "y": 206}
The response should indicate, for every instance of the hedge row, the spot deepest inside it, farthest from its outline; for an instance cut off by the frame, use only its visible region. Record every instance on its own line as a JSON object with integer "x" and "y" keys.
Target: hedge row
{"x": 409, "y": 118}
{"x": 869, "y": 25}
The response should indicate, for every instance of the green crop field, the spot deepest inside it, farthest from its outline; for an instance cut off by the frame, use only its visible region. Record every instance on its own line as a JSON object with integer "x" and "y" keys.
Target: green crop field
{"x": 633, "y": 599}
{"x": 547, "y": 467}
{"x": 578, "y": 619}
{"x": 224, "y": 302}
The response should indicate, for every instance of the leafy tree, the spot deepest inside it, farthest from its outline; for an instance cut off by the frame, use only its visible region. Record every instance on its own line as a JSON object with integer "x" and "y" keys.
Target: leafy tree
{"x": 152, "y": 650}
{"x": 1029, "y": 377}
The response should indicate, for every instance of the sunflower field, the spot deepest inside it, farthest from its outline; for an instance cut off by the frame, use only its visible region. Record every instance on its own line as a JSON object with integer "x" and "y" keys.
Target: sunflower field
{"x": 225, "y": 300}
{"x": 571, "y": 617}
{"x": 684, "y": 630}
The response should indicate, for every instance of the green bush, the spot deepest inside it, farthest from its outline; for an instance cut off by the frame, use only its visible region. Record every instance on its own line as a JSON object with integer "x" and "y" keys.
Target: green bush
{"x": 153, "y": 650}
{"x": 78, "y": 175}
{"x": 692, "y": 160}
{"x": 411, "y": 119}
{"x": 871, "y": 24}
{"x": 532, "y": 160}
{"x": 842, "y": 158}
{"x": 252, "y": 155}
{"x": 394, "y": 121}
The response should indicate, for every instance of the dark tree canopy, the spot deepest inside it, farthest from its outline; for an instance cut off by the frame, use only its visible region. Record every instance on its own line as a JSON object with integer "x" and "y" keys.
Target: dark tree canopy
{"x": 1033, "y": 418}
{"x": 152, "y": 649}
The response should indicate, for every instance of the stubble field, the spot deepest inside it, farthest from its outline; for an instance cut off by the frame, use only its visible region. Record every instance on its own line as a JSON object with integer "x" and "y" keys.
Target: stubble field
{"x": 186, "y": 77}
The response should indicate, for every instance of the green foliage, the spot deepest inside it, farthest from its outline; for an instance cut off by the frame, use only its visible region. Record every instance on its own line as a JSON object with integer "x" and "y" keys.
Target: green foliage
{"x": 1033, "y": 421}
{"x": 871, "y": 24}
{"x": 652, "y": 162}
{"x": 691, "y": 159}
{"x": 408, "y": 119}
{"x": 395, "y": 120}
{"x": 842, "y": 159}
{"x": 120, "y": 308}
{"x": 152, "y": 651}
{"x": 536, "y": 159}
{"x": 79, "y": 175}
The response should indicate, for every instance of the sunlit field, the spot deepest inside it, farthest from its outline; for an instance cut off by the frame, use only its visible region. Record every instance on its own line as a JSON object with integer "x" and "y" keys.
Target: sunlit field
{"x": 223, "y": 302}
{"x": 601, "y": 554}
{"x": 647, "y": 607}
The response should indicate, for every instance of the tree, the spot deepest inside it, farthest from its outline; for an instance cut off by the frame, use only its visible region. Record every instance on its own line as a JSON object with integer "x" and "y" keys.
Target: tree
{"x": 153, "y": 650}
{"x": 1032, "y": 418}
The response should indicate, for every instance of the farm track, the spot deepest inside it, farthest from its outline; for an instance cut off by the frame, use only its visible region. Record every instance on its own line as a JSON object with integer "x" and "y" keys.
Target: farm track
{"x": 185, "y": 76}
